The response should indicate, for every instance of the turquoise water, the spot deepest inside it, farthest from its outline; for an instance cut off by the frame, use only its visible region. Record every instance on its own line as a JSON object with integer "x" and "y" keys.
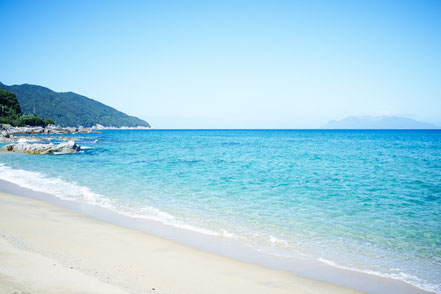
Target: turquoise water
{"x": 363, "y": 200}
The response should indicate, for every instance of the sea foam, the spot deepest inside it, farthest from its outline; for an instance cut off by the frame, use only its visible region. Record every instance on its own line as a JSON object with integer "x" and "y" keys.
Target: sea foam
{"x": 71, "y": 191}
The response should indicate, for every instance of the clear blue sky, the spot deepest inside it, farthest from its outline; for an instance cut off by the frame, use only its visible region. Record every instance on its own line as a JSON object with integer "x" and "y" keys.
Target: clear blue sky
{"x": 232, "y": 64}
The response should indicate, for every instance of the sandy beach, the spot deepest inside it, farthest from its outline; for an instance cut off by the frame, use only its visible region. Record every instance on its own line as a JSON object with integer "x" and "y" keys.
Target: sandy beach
{"x": 48, "y": 249}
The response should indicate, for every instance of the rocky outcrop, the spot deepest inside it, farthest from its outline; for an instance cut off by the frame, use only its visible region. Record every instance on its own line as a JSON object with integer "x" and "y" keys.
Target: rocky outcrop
{"x": 47, "y": 130}
{"x": 7, "y": 133}
{"x": 5, "y": 137}
{"x": 62, "y": 148}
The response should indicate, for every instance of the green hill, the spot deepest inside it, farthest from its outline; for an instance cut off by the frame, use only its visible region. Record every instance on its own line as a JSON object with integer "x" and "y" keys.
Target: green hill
{"x": 10, "y": 112}
{"x": 69, "y": 109}
{"x": 8, "y": 104}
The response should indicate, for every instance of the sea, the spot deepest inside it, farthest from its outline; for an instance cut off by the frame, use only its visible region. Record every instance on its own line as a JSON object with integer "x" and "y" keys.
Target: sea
{"x": 362, "y": 200}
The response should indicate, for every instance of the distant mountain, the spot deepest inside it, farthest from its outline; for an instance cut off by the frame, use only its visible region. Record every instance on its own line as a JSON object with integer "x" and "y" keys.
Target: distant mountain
{"x": 69, "y": 109}
{"x": 377, "y": 122}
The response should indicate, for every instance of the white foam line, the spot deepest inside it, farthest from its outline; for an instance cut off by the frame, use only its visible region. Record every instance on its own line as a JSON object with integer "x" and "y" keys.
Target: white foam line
{"x": 407, "y": 278}
{"x": 73, "y": 192}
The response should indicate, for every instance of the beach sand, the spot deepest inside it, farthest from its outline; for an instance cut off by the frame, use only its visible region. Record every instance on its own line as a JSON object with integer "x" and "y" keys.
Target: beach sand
{"x": 48, "y": 249}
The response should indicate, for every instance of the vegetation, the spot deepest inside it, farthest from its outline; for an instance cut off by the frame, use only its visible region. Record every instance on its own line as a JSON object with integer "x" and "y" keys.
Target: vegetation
{"x": 70, "y": 109}
{"x": 10, "y": 112}
{"x": 26, "y": 120}
{"x": 9, "y": 104}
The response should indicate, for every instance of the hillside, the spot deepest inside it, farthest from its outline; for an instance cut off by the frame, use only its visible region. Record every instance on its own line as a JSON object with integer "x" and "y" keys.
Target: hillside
{"x": 68, "y": 108}
{"x": 10, "y": 112}
{"x": 8, "y": 104}
{"x": 377, "y": 122}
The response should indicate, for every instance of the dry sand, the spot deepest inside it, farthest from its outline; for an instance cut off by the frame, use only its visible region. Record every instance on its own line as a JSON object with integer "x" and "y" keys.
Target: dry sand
{"x": 48, "y": 249}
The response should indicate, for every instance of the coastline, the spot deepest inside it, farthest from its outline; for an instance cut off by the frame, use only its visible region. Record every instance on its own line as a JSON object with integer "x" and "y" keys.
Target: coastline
{"x": 100, "y": 257}
{"x": 303, "y": 277}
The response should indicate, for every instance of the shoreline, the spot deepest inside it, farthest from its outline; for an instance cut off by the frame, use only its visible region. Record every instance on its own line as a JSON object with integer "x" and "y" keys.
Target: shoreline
{"x": 101, "y": 257}
{"x": 318, "y": 272}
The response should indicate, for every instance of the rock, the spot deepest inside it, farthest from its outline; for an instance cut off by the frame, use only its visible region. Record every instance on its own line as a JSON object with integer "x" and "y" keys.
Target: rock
{"x": 25, "y": 130}
{"x": 48, "y": 130}
{"x": 20, "y": 139}
{"x": 62, "y": 148}
{"x": 66, "y": 147}
{"x": 6, "y": 139}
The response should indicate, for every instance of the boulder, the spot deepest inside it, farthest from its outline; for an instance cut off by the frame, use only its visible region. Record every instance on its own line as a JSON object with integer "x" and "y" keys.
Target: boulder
{"x": 6, "y": 139}
{"x": 62, "y": 148}
{"x": 5, "y": 134}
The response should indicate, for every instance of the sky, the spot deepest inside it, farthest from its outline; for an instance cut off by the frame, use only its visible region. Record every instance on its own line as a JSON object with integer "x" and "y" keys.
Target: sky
{"x": 231, "y": 64}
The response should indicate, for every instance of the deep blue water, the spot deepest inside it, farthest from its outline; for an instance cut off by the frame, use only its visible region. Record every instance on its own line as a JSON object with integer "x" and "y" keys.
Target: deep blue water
{"x": 364, "y": 200}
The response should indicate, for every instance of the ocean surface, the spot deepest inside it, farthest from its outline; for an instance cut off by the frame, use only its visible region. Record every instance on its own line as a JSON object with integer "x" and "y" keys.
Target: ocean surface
{"x": 363, "y": 200}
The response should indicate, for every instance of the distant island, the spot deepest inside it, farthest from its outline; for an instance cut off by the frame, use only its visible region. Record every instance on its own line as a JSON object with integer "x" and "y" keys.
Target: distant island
{"x": 377, "y": 122}
{"x": 69, "y": 109}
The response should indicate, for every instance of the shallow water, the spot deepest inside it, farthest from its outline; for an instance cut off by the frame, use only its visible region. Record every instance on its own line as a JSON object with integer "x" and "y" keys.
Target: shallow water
{"x": 363, "y": 200}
